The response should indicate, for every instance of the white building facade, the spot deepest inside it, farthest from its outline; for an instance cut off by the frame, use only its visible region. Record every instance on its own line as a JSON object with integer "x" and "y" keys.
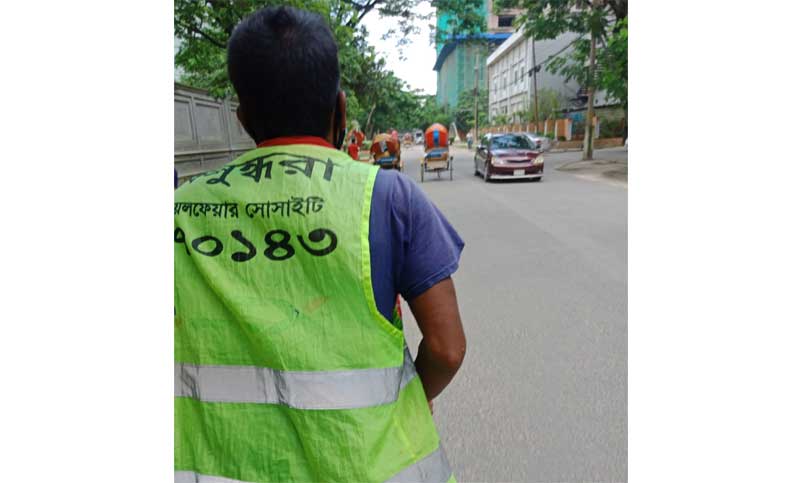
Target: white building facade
{"x": 510, "y": 82}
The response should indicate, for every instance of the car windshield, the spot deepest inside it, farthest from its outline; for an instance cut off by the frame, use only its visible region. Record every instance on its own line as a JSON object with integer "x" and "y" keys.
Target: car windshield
{"x": 511, "y": 142}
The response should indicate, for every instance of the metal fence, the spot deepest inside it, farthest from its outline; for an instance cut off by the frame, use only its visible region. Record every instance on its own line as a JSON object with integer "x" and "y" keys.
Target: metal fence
{"x": 207, "y": 132}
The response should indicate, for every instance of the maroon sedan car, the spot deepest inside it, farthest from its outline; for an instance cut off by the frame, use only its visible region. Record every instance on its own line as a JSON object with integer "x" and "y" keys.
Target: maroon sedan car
{"x": 506, "y": 156}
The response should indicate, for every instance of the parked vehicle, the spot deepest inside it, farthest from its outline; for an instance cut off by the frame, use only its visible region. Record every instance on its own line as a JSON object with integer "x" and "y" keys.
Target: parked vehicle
{"x": 419, "y": 137}
{"x": 541, "y": 143}
{"x": 506, "y": 156}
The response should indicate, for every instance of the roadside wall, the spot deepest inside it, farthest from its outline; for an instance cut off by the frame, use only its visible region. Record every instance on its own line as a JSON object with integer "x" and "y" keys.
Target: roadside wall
{"x": 207, "y": 132}
{"x": 556, "y": 127}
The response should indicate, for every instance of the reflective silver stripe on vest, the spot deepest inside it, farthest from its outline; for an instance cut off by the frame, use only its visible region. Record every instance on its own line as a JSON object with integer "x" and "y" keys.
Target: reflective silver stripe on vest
{"x": 350, "y": 389}
{"x": 192, "y": 477}
{"x": 434, "y": 468}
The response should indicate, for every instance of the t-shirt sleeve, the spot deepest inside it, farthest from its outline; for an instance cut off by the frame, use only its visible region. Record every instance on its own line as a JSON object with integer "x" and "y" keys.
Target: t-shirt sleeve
{"x": 430, "y": 248}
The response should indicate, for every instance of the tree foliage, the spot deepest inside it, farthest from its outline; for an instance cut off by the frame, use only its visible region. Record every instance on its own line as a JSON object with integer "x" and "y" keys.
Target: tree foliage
{"x": 606, "y": 19}
{"x": 467, "y": 18}
{"x": 551, "y": 102}
{"x": 613, "y": 64}
{"x": 203, "y": 27}
{"x": 432, "y": 112}
{"x": 465, "y": 109}
{"x": 376, "y": 97}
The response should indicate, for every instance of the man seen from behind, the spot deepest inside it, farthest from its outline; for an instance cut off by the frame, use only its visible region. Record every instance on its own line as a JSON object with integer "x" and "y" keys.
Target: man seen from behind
{"x": 290, "y": 360}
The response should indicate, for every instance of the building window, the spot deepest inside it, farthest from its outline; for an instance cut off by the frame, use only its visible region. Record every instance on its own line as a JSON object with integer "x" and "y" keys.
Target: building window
{"x": 505, "y": 21}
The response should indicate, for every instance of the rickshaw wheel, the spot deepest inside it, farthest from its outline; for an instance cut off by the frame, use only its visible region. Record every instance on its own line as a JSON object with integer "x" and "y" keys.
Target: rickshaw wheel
{"x": 450, "y": 165}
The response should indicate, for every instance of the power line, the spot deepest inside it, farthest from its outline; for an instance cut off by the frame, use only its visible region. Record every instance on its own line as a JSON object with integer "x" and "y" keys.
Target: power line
{"x": 546, "y": 61}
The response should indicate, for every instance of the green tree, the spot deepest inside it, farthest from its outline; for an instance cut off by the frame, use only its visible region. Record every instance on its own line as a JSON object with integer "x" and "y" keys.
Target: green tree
{"x": 202, "y": 29}
{"x": 590, "y": 62}
{"x": 466, "y": 18}
{"x": 613, "y": 67}
{"x": 430, "y": 112}
{"x": 551, "y": 103}
{"x": 465, "y": 109}
{"x": 376, "y": 98}
{"x": 500, "y": 120}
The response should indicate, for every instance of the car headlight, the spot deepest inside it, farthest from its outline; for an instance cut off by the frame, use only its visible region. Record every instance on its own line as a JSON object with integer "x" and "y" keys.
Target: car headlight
{"x": 539, "y": 160}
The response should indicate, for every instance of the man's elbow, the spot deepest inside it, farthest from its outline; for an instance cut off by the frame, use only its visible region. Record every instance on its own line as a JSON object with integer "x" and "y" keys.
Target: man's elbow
{"x": 451, "y": 358}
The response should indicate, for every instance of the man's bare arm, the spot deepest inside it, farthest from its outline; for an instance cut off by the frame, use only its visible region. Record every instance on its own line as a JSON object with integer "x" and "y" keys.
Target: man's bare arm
{"x": 443, "y": 343}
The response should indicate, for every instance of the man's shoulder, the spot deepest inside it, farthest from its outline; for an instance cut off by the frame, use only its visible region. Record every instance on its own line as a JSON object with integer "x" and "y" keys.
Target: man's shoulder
{"x": 391, "y": 184}
{"x": 399, "y": 195}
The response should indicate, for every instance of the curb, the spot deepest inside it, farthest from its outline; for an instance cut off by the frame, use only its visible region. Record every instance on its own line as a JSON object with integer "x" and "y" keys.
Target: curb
{"x": 567, "y": 165}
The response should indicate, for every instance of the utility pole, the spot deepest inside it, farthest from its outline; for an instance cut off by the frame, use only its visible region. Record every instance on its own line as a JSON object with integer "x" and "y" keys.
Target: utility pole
{"x": 587, "y": 138}
{"x": 477, "y": 93}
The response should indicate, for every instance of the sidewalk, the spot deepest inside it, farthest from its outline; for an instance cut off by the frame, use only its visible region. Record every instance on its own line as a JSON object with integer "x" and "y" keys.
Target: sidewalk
{"x": 610, "y": 165}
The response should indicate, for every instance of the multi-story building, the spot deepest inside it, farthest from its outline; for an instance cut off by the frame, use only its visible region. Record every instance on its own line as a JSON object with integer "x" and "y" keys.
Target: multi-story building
{"x": 511, "y": 85}
{"x": 457, "y": 57}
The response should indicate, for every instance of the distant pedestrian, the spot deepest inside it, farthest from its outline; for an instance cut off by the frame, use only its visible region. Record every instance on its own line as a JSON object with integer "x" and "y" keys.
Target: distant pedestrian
{"x": 352, "y": 149}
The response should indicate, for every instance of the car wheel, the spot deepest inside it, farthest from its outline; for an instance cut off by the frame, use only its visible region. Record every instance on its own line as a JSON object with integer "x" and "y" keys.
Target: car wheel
{"x": 486, "y": 176}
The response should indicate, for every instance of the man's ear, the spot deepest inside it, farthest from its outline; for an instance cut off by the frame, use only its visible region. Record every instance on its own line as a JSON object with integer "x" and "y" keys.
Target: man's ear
{"x": 240, "y": 116}
{"x": 339, "y": 130}
{"x": 341, "y": 101}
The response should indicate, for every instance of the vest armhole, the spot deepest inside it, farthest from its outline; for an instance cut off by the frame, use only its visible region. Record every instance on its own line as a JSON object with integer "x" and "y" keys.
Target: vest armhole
{"x": 366, "y": 261}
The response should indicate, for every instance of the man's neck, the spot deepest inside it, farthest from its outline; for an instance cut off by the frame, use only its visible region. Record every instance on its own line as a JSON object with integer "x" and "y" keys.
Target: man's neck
{"x": 286, "y": 140}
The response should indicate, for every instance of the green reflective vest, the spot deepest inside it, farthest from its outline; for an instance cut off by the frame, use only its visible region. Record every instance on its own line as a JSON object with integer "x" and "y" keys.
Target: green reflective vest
{"x": 285, "y": 370}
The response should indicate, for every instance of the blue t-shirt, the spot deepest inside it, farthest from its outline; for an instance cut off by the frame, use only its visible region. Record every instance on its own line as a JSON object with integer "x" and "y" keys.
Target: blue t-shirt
{"x": 412, "y": 245}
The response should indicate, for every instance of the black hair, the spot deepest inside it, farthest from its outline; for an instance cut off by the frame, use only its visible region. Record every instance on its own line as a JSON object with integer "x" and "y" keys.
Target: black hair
{"x": 283, "y": 63}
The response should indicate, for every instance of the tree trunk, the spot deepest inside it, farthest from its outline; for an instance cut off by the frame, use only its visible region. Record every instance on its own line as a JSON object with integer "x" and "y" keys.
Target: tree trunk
{"x": 535, "y": 88}
{"x": 477, "y": 93}
{"x": 367, "y": 126}
{"x": 625, "y": 124}
{"x": 587, "y": 138}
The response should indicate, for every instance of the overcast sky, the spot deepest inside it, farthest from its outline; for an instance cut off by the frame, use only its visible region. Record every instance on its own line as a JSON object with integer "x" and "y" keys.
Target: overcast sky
{"x": 420, "y": 55}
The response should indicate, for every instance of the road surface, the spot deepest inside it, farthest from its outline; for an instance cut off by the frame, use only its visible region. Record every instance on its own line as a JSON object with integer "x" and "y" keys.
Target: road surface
{"x": 542, "y": 286}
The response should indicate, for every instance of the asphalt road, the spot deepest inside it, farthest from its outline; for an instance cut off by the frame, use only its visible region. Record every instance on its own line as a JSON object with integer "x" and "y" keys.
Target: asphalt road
{"x": 542, "y": 287}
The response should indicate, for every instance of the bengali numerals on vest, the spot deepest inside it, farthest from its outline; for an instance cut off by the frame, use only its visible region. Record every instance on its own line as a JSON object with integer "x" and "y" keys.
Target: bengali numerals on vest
{"x": 277, "y": 244}
{"x": 261, "y": 168}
